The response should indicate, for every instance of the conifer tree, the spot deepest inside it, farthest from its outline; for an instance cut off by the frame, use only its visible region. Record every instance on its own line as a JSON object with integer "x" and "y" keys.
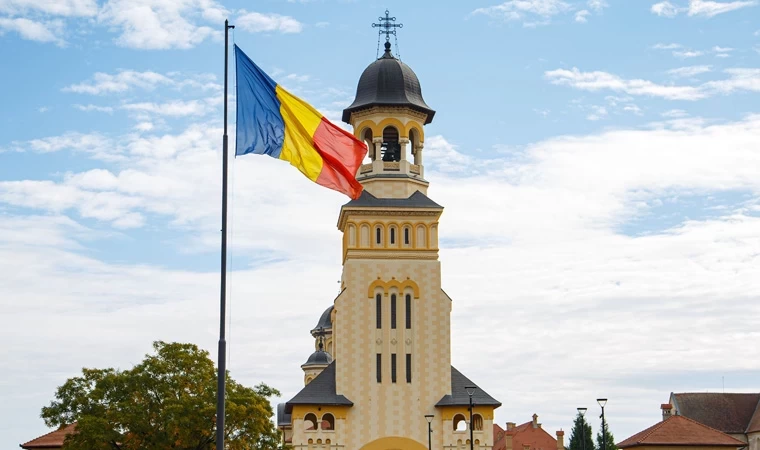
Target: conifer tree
{"x": 581, "y": 437}
{"x": 609, "y": 441}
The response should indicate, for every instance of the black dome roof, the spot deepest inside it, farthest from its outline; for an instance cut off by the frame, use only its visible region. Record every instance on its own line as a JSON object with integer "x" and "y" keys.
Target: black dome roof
{"x": 318, "y": 358}
{"x": 325, "y": 321}
{"x": 389, "y": 82}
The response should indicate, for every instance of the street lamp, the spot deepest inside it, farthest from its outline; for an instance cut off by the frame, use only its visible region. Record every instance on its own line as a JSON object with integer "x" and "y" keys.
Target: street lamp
{"x": 602, "y": 402}
{"x": 429, "y": 418}
{"x": 471, "y": 390}
{"x": 582, "y": 412}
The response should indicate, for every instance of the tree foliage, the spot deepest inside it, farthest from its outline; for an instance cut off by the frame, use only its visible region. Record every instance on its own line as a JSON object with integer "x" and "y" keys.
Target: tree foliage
{"x": 609, "y": 441}
{"x": 581, "y": 437}
{"x": 167, "y": 401}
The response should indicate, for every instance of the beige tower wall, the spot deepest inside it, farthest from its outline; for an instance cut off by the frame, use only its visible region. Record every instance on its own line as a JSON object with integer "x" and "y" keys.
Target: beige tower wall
{"x": 392, "y": 409}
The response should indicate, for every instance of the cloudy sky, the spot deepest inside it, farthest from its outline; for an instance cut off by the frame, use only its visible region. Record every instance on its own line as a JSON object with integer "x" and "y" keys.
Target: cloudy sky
{"x": 598, "y": 162}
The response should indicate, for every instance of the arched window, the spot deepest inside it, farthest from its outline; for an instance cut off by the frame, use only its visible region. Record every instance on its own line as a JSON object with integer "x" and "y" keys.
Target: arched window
{"x": 378, "y": 235}
{"x": 367, "y": 138}
{"x": 408, "y": 311}
{"x": 391, "y": 147}
{"x": 459, "y": 423}
{"x": 328, "y": 422}
{"x": 310, "y": 422}
{"x": 407, "y": 236}
{"x": 393, "y": 235}
{"x": 477, "y": 422}
{"x": 379, "y": 311}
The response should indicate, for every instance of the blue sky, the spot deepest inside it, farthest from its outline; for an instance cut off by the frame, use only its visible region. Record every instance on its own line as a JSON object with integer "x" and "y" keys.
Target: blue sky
{"x": 597, "y": 160}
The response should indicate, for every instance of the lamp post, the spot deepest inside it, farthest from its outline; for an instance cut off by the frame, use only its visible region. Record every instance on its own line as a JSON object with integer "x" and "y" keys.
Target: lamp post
{"x": 471, "y": 390}
{"x": 602, "y": 402}
{"x": 429, "y": 418}
{"x": 582, "y": 412}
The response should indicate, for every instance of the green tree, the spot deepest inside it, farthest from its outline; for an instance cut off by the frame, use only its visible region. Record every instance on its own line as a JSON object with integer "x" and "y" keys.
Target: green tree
{"x": 609, "y": 439}
{"x": 581, "y": 437}
{"x": 167, "y": 401}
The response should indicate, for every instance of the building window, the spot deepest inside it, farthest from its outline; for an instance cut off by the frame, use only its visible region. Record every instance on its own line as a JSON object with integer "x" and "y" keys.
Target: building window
{"x": 328, "y": 422}
{"x": 379, "y": 364}
{"x": 477, "y": 422}
{"x": 379, "y": 310}
{"x": 393, "y": 311}
{"x": 393, "y": 236}
{"x": 393, "y": 367}
{"x": 408, "y": 311}
{"x": 408, "y": 367}
{"x": 310, "y": 422}
{"x": 406, "y": 236}
{"x": 378, "y": 236}
{"x": 459, "y": 423}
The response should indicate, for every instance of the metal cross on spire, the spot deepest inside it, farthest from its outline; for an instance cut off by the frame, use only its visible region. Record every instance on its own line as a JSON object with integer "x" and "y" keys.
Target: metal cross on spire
{"x": 387, "y": 26}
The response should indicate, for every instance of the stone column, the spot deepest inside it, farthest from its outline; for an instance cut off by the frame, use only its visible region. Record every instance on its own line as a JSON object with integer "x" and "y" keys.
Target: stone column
{"x": 403, "y": 142}
{"x": 418, "y": 154}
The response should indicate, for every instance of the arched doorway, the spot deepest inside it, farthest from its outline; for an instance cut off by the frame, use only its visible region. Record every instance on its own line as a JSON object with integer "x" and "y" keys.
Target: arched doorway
{"x": 394, "y": 443}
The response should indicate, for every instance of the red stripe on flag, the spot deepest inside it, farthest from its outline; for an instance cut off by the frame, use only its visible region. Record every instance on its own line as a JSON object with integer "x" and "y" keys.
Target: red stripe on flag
{"x": 342, "y": 154}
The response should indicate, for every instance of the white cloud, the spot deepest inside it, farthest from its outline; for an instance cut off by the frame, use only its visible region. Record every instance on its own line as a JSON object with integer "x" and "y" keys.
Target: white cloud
{"x": 32, "y": 30}
{"x": 671, "y": 46}
{"x": 91, "y": 107}
{"x": 741, "y": 79}
{"x": 581, "y": 15}
{"x": 67, "y": 8}
{"x": 255, "y": 22}
{"x": 674, "y": 113}
{"x": 43, "y": 109}
{"x": 705, "y": 8}
{"x": 125, "y": 80}
{"x": 103, "y": 83}
{"x": 599, "y": 112}
{"x": 687, "y": 54}
{"x": 597, "y": 5}
{"x": 719, "y": 49}
{"x": 174, "y": 108}
{"x": 689, "y": 71}
{"x": 665, "y": 9}
{"x": 522, "y": 10}
{"x": 709, "y": 8}
{"x": 159, "y": 24}
{"x": 597, "y": 80}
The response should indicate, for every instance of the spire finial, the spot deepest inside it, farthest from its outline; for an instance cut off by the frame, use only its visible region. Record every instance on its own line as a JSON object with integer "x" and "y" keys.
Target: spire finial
{"x": 387, "y": 27}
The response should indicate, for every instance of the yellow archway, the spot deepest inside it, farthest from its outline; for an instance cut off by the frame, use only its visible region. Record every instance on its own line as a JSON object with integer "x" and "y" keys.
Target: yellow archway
{"x": 394, "y": 443}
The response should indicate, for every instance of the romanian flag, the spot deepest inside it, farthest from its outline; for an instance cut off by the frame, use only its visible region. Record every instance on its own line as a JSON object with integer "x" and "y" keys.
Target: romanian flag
{"x": 272, "y": 121}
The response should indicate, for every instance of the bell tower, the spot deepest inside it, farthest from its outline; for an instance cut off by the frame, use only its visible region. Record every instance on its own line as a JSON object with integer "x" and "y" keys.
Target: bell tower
{"x": 389, "y": 115}
{"x": 391, "y": 376}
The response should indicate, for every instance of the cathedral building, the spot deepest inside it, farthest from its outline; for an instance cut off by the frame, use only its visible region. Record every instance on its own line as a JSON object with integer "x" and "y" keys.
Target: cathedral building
{"x": 381, "y": 376}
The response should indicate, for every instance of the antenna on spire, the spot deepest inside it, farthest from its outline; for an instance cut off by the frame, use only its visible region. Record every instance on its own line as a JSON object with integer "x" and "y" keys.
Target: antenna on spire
{"x": 387, "y": 27}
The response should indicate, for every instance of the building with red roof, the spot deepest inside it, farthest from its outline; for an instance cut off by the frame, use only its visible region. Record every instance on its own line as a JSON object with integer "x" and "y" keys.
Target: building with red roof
{"x": 680, "y": 431}
{"x": 735, "y": 414}
{"x": 527, "y": 436}
{"x": 50, "y": 441}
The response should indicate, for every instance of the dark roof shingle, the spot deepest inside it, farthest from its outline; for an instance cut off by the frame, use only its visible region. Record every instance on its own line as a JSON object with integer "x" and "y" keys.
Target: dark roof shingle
{"x": 416, "y": 200}
{"x": 729, "y": 413}
{"x": 320, "y": 391}
{"x": 459, "y": 395}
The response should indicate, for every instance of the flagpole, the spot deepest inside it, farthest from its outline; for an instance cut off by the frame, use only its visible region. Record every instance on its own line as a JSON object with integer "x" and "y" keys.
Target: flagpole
{"x": 222, "y": 356}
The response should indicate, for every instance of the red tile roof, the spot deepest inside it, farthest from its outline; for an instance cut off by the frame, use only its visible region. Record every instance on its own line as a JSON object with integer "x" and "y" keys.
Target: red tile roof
{"x": 524, "y": 434}
{"x": 729, "y": 413}
{"x": 680, "y": 430}
{"x": 54, "y": 439}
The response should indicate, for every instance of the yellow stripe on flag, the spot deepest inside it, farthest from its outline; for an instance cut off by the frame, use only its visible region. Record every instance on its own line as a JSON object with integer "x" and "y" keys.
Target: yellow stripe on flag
{"x": 301, "y": 121}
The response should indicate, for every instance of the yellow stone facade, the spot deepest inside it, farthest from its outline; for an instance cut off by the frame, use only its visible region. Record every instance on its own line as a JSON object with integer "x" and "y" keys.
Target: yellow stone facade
{"x": 390, "y": 254}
